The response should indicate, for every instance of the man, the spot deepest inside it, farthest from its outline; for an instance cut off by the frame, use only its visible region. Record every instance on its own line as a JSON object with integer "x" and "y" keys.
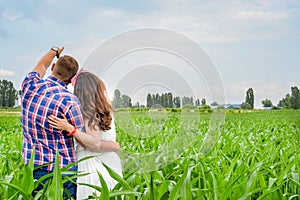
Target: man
{"x": 41, "y": 98}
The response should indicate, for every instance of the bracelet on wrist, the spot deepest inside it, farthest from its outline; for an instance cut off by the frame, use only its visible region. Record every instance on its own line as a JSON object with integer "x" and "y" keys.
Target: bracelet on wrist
{"x": 72, "y": 132}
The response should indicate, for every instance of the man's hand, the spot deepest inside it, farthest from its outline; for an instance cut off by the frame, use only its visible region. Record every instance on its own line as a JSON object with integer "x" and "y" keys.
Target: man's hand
{"x": 58, "y": 50}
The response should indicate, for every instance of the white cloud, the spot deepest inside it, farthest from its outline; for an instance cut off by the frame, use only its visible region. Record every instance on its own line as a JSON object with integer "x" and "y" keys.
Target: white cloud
{"x": 5, "y": 72}
{"x": 261, "y": 15}
{"x": 11, "y": 16}
{"x": 219, "y": 22}
{"x": 109, "y": 12}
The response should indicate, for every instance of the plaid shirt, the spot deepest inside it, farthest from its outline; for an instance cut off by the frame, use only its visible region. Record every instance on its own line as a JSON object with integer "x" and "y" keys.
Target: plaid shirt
{"x": 41, "y": 98}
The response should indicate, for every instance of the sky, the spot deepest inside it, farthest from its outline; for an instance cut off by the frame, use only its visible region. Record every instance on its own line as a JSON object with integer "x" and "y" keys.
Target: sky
{"x": 250, "y": 43}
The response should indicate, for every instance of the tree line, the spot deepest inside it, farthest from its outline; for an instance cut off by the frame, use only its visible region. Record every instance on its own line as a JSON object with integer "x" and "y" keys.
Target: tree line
{"x": 167, "y": 100}
{"x": 291, "y": 100}
{"x": 8, "y": 94}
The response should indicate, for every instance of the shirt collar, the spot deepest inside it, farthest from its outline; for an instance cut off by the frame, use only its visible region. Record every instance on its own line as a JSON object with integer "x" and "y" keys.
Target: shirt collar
{"x": 57, "y": 81}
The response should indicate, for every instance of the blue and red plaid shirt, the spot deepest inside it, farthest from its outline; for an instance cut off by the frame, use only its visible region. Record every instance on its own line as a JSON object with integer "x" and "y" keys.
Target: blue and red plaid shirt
{"x": 41, "y": 98}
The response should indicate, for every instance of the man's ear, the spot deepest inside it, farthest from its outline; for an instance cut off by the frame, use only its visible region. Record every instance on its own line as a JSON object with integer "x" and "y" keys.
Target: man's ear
{"x": 53, "y": 65}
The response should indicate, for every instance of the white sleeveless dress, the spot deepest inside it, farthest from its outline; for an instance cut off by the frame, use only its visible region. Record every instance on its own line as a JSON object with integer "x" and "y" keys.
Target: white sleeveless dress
{"x": 93, "y": 165}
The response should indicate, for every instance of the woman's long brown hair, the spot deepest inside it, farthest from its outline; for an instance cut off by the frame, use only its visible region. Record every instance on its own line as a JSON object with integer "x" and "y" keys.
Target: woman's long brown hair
{"x": 95, "y": 106}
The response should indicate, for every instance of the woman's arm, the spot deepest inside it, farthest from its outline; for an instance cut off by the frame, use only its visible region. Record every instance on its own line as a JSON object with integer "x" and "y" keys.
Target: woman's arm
{"x": 89, "y": 140}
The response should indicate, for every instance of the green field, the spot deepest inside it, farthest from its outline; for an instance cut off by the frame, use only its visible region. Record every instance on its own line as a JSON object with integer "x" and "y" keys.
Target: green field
{"x": 252, "y": 155}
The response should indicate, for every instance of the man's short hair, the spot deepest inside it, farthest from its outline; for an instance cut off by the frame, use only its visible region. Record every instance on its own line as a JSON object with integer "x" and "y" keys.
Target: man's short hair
{"x": 65, "y": 68}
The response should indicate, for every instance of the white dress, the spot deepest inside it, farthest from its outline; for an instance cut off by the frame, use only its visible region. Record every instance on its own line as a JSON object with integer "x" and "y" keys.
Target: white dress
{"x": 93, "y": 165}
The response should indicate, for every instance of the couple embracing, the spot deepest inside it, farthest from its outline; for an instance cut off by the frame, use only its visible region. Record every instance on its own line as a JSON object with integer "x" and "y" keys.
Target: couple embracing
{"x": 76, "y": 125}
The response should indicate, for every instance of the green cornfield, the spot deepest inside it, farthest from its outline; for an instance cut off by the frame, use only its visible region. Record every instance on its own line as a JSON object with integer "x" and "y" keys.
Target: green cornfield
{"x": 165, "y": 155}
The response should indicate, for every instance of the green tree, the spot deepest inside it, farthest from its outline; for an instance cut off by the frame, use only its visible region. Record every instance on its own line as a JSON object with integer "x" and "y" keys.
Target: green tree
{"x": 149, "y": 100}
{"x": 169, "y": 100}
{"x": 177, "y": 103}
{"x": 8, "y": 94}
{"x": 246, "y": 106}
{"x": 250, "y": 97}
{"x": 295, "y": 98}
{"x": 187, "y": 100}
{"x": 137, "y": 105}
{"x": 117, "y": 102}
{"x": 285, "y": 102}
{"x": 2, "y": 94}
{"x": 153, "y": 100}
{"x": 126, "y": 101}
{"x": 163, "y": 100}
{"x": 267, "y": 103}
{"x": 12, "y": 95}
{"x": 203, "y": 102}
{"x": 214, "y": 104}
{"x": 197, "y": 103}
{"x": 291, "y": 101}
{"x": 157, "y": 99}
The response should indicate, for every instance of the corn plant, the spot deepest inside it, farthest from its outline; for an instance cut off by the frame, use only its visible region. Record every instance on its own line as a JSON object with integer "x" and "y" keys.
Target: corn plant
{"x": 256, "y": 155}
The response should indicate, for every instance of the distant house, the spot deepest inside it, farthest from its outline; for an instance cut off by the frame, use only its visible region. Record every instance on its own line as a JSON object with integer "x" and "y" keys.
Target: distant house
{"x": 228, "y": 106}
{"x": 268, "y": 108}
{"x": 232, "y": 106}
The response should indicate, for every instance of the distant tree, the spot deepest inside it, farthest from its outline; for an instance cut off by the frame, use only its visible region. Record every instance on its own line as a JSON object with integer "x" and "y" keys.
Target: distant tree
{"x": 2, "y": 94}
{"x": 117, "y": 102}
{"x": 153, "y": 100}
{"x": 137, "y": 105}
{"x": 8, "y": 94}
{"x": 12, "y": 94}
{"x": 203, "y": 102}
{"x": 291, "y": 101}
{"x": 214, "y": 104}
{"x": 169, "y": 100}
{"x": 126, "y": 101}
{"x": 205, "y": 108}
{"x": 184, "y": 100}
{"x": 176, "y": 102}
{"x": 246, "y": 106}
{"x": 285, "y": 102}
{"x": 267, "y": 103}
{"x": 157, "y": 99}
{"x": 275, "y": 108}
{"x": 250, "y": 97}
{"x": 187, "y": 100}
{"x": 295, "y": 98}
{"x": 164, "y": 100}
{"x": 197, "y": 103}
{"x": 149, "y": 100}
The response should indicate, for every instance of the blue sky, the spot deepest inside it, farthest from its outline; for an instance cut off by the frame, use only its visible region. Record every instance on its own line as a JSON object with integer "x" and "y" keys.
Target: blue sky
{"x": 252, "y": 43}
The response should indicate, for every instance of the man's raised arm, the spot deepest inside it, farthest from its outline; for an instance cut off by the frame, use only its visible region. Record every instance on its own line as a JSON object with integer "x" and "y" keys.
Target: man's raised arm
{"x": 46, "y": 60}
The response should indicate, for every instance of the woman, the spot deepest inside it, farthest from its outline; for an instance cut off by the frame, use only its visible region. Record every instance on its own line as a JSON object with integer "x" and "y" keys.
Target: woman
{"x": 98, "y": 118}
